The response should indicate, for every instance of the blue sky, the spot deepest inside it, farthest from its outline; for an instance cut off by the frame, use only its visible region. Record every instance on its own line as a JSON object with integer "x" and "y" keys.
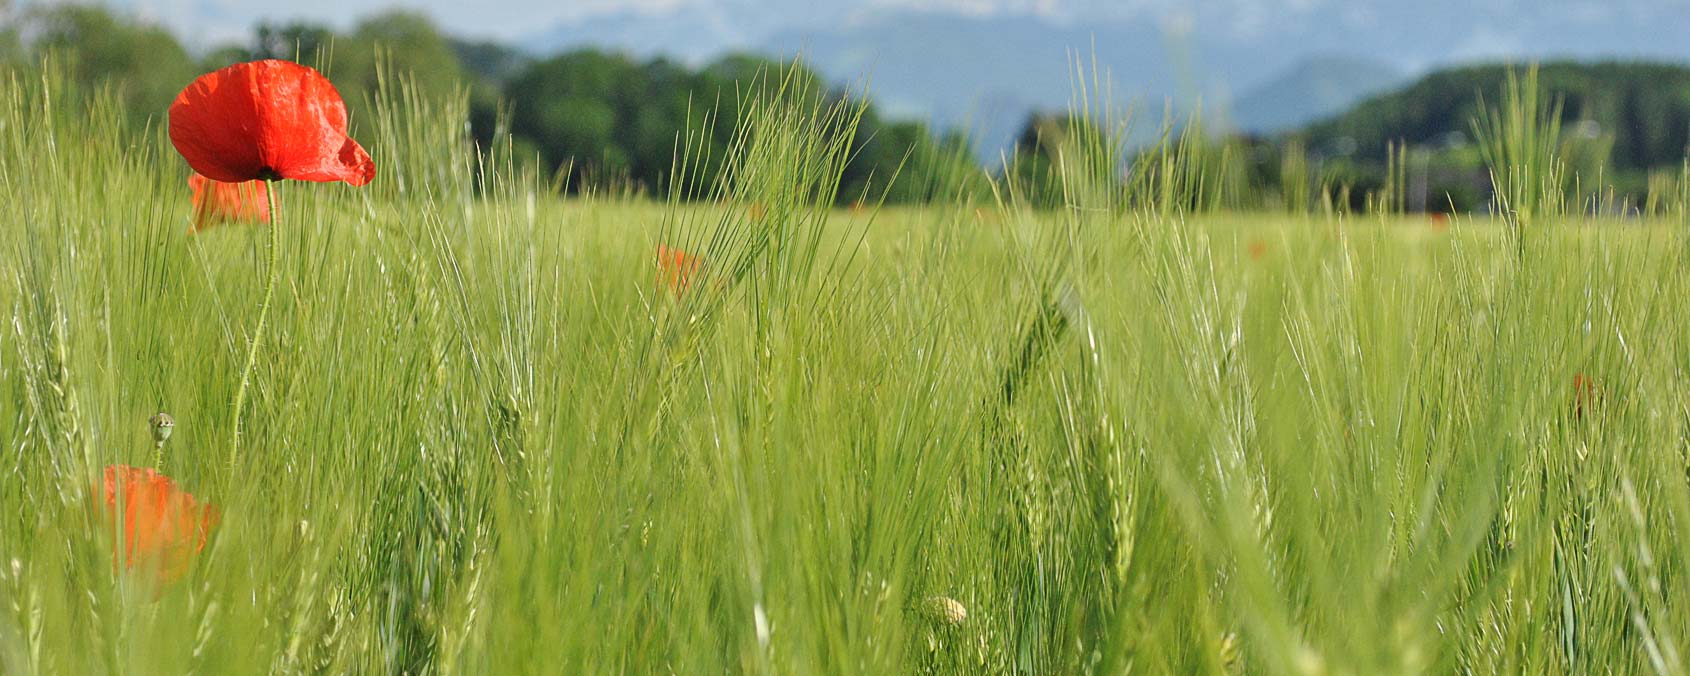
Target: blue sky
{"x": 1410, "y": 35}
{"x": 213, "y": 20}
{"x": 203, "y": 21}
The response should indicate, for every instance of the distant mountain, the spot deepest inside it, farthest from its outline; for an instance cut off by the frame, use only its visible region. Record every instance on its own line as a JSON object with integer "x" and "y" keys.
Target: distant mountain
{"x": 981, "y": 73}
{"x": 988, "y": 74}
{"x": 987, "y": 70}
{"x": 691, "y": 33}
{"x": 1316, "y": 88}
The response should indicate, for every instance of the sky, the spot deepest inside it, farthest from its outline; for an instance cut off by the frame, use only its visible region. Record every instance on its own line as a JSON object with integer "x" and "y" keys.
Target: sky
{"x": 209, "y": 21}
{"x": 201, "y": 23}
{"x": 514, "y": 20}
{"x": 1410, "y": 35}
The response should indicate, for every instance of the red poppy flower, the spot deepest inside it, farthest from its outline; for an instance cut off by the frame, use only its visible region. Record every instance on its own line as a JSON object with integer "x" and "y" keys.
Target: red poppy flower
{"x": 161, "y": 527}
{"x": 676, "y": 268}
{"x": 267, "y": 120}
{"x": 1258, "y": 249}
{"x": 216, "y": 202}
{"x": 1586, "y": 396}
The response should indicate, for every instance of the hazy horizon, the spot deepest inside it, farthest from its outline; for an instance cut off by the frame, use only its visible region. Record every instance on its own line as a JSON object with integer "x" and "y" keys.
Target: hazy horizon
{"x": 1497, "y": 29}
{"x": 984, "y": 65}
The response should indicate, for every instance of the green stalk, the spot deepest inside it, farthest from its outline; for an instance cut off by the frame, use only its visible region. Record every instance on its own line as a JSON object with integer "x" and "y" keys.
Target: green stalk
{"x": 273, "y": 249}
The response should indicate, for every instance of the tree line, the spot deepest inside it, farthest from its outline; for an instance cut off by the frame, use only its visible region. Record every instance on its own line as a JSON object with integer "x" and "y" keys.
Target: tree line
{"x": 1625, "y": 123}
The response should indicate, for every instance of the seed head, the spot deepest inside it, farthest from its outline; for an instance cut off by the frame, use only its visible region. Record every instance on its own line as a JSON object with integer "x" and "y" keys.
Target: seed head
{"x": 162, "y": 425}
{"x": 1230, "y": 659}
{"x": 943, "y": 610}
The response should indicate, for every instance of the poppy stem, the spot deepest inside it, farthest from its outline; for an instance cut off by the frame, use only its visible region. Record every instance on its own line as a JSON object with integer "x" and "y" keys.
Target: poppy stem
{"x": 272, "y": 269}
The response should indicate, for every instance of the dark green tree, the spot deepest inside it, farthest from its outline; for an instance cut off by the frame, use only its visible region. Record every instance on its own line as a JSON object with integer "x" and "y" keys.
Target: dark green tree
{"x": 569, "y": 105}
{"x": 142, "y": 63}
{"x": 409, "y": 45}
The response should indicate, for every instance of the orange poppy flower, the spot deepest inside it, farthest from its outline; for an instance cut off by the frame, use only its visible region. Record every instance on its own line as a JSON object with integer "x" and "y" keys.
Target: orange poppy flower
{"x": 267, "y": 120}
{"x": 160, "y": 527}
{"x": 1440, "y": 221}
{"x": 676, "y": 268}
{"x": 1258, "y": 249}
{"x": 1586, "y": 396}
{"x": 216, "y": 202}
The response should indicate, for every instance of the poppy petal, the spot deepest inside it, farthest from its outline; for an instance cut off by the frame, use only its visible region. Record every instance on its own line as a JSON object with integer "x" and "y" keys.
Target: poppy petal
{"x": 213, "y": 123}
{"x": 161, "y": 526}
{"x": 350, "y": 164}
{"x": 216, "y": 202}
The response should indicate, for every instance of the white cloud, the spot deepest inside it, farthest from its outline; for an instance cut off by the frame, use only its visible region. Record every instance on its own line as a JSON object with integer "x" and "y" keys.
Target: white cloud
{"x": 1052, "y": 9}
{"x": 1485, "y": 43}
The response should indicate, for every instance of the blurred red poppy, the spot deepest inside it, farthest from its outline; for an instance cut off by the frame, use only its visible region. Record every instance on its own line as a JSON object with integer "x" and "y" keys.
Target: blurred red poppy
{"x": 267, "y": 120}
{"x": 1586, "y": 396}
{"x": 160, "y": 527}
{"x": 676, "y": 268}
{"x": 216, "y": 202}
{"x": 1439, "y": 220}
{"x": 1258, "y": 249}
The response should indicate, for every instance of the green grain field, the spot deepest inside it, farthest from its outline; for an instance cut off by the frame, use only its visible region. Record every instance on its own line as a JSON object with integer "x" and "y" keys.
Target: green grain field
{"x": 1120, "y": 435}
